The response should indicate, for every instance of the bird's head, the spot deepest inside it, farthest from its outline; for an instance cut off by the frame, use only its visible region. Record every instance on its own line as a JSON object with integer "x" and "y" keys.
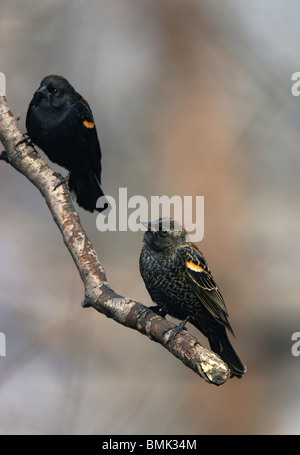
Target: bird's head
{"x": 54, "y": 91}
{"x": 164, "y": 234}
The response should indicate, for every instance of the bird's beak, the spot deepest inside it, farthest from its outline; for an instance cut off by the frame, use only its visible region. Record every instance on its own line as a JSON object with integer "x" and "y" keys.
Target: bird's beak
{"x": 42, "y": 90}
{"x": 157, "y": 225}
{"x": 41, "y": 93}
{"x": 146, "y": 227}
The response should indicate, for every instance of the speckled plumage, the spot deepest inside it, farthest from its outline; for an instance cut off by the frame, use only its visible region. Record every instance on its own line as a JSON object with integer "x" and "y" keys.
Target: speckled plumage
{"x": 179, "y": 281}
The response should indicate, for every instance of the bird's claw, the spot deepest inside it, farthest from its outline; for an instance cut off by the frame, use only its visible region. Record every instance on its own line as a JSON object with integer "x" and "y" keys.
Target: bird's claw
{"x": 141, "y": 312}
{"x": 154, "y": 309}
{"x": 63, "y": 180}
{"x": 176, "y": 330}
{"x": 26, "y": 140}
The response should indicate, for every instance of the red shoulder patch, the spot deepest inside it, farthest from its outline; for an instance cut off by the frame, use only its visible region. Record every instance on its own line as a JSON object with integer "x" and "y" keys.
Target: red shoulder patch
{"x": 194, "y": 267}
{"x": 88, "y": 124}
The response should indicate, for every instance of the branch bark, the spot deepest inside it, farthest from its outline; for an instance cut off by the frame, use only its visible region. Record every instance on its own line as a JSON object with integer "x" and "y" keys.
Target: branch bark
{"x": 25, "y": 159}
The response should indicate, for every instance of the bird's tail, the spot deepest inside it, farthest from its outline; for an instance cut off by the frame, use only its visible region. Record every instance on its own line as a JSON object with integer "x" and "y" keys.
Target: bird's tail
{"x": 86, "y": 187}
{"x": 220, "y": 344}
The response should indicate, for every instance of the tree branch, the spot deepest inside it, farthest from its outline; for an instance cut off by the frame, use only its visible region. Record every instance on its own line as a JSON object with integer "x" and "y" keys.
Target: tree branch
{"x": 24, "y": 158}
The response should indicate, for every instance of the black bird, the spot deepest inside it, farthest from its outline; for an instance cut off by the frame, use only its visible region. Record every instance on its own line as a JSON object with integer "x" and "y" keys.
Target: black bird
{"x": 179, "y": 281}
{"x": 61, "y": 123}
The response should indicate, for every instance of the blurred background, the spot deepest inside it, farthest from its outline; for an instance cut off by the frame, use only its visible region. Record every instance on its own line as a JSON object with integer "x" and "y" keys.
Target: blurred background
{"x": 190, "y": 98}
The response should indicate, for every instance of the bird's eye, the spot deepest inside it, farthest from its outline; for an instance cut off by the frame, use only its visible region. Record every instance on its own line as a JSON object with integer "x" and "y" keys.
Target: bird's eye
{"x": 52, "y": 89}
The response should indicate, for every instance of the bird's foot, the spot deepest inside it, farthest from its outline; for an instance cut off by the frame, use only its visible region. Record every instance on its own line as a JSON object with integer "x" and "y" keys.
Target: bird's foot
{"x": 176, "y": 330}
{"x": 140, "y": 313}
{"x": 26, "y": 140}
{"x": 63, "y": 180}
{"x": 155, "y": 309}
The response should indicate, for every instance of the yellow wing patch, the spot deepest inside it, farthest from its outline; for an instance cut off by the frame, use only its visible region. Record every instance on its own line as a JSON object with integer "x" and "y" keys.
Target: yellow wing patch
{"x": 88, "y": 124}
{"x": 194, "y": 267}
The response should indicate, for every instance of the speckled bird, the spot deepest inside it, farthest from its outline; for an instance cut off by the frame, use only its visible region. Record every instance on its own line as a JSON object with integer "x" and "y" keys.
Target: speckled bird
{"x": 179, "y": 281}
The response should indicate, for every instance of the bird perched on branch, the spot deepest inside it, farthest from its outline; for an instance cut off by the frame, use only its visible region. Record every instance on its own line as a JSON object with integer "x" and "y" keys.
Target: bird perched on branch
{"x": 179, "y": 281}
{"x": 61, "y": 123}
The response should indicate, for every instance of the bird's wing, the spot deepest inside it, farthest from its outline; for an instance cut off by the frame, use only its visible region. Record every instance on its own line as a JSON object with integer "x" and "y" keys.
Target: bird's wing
{"x": 204, "y": 286}
{"x": 90, "y": 135}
